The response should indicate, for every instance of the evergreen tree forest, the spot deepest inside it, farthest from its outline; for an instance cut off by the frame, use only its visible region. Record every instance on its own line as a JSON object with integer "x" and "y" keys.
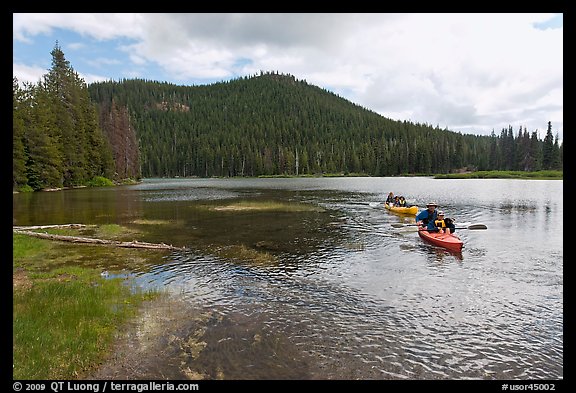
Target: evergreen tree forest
{"x": 66, "y": 133}
{"x": 56, "y": 137}
{"x": 274, "y": 124}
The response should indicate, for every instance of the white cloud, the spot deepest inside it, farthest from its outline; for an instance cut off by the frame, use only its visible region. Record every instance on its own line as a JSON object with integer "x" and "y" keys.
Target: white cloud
{"x": 469, "y": 72}
{"x": 30, "y": 74}
{"x": 98, "y": 26}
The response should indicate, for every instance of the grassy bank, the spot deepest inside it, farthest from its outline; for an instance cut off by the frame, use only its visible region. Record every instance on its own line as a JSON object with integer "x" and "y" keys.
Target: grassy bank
{"x": 537, "y": 175}
{"x": 269, "y": 206}
{"x": 65, "y": 314}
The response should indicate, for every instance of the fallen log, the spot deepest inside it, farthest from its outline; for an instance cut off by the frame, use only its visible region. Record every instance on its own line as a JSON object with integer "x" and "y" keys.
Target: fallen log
{"x": 70, "y": 226}
{"x": 116, "y": 243}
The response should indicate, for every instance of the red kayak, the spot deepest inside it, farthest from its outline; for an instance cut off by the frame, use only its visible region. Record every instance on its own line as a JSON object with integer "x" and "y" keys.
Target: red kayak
{"x": 447, "y": 240}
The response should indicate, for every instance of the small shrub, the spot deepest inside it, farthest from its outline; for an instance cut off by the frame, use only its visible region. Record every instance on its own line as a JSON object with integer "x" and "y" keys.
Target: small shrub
{"x": 25, "y": 188}
{"x": 100, "y": 181}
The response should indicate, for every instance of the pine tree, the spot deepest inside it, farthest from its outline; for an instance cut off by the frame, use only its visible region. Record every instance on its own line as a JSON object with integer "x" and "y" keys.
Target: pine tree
{"x": 117, "y": 126}
{"x": 548, "y": 152}
{"x": 556, "y": 157}
{"x": 42, "y": 142}
{"x": 19, "y": 113}
{"x": 81, "y": 141}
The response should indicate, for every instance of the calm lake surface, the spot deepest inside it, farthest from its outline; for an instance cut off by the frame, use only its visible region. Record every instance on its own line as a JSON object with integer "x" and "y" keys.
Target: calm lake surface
{"x": 346, "y": 293}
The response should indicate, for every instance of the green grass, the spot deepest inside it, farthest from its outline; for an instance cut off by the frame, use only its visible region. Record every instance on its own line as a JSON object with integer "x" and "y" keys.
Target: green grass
{"x": 539, "y": 175}
{"x": 64, "y": 325}
{"x": 64, "y": 317}
{"x": 317, "y": 175}
{"x": 27, "y": 247}
{"x": 110, "y": 230}
{"x": 245, "y": 254}
{"x": 266, "y": 206}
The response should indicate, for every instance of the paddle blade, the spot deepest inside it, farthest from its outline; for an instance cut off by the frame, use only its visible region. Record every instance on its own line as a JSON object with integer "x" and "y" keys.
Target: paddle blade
{"x": 477, "y": 226}
{"x": 400, "y": 225}
{"x": 406, "y": 230}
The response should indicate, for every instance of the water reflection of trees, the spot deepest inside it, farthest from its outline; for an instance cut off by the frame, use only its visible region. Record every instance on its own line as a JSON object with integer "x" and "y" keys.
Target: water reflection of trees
{"x": 82, "y": 206}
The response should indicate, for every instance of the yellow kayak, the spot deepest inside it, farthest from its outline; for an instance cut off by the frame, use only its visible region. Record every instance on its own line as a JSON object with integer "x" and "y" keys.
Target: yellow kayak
{"x": 403, "y": 210}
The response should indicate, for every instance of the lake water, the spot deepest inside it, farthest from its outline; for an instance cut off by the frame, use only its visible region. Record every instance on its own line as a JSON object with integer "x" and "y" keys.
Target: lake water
{"x": 345, "y": 295}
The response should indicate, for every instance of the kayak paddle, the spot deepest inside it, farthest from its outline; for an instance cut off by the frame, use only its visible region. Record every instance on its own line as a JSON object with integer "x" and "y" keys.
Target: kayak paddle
{"x": 473, "y": 226}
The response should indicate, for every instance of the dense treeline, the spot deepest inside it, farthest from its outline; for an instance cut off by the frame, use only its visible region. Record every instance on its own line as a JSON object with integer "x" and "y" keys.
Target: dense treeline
{"x": 66, "y": 133}
{"x": 56, "y": 137}
{"x": 274, "y": 124}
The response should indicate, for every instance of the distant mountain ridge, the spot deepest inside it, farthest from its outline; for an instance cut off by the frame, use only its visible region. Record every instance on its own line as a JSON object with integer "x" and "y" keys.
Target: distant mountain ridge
{"x": 274, "y": 124}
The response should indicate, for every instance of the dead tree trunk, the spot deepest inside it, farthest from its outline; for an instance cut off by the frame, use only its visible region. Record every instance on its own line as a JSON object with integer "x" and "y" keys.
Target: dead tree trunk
{"x": 116, "y": 243}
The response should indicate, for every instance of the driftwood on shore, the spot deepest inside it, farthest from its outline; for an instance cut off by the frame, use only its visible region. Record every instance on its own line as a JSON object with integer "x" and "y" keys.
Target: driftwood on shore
{"x": 72, "y": 226}
{"x": 76, "y": 239}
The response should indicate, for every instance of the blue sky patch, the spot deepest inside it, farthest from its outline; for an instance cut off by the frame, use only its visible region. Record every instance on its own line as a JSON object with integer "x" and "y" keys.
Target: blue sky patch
{"x": 556, "y": 22}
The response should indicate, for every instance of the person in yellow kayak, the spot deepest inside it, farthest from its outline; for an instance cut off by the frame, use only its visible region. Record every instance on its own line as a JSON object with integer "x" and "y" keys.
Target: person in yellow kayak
{"x": 401, "y": 201}
{"x": 427, "y": 217}
{"x": 390, "y": 199}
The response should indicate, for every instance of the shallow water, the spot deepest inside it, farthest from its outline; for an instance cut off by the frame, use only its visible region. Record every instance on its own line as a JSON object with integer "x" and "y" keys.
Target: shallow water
{"x": 344, "y": 295}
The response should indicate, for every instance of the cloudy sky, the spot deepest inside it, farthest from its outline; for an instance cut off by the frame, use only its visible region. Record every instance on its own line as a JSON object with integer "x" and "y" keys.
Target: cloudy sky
{"x": 471, "y": 73}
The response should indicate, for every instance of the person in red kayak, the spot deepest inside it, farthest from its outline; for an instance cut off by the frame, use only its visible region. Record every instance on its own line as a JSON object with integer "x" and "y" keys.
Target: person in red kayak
{"x": 444, "y": 224}
{"x": 427, "y": 217}
{"x": 450, "y": 225}
{"x": 439, "y": 222}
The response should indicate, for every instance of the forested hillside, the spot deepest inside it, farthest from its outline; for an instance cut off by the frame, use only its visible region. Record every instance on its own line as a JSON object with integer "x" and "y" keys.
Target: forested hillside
{"x": 274, "y": 124}
{"x": 56, "y": 136}
{"x": 67, "y": 133}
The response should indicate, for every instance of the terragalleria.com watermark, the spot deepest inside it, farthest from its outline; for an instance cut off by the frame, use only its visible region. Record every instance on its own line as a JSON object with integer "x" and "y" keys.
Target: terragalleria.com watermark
{"x": 97, "y": 387}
